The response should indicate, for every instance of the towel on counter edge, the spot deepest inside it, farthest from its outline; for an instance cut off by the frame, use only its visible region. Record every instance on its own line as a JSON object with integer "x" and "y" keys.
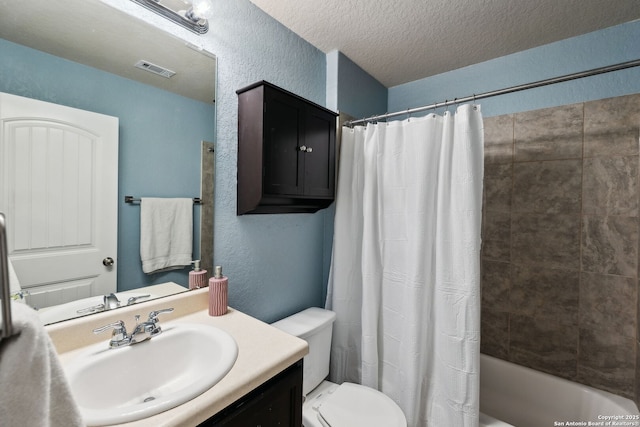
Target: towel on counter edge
{"x": 14, "y": 283}
{"x": 34, "y": 390}
{"x": 166, "y": 233}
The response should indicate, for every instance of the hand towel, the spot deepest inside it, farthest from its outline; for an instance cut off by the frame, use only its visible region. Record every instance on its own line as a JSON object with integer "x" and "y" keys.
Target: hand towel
{"x": 34, "y": 390}
{"x": 14, "y": 283}
{"x": 166, "y": 233}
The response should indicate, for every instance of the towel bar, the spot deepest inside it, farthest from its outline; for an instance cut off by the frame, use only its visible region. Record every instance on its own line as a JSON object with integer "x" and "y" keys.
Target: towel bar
{"x": 131, "y": 199}
{"x": 7, "y": 327}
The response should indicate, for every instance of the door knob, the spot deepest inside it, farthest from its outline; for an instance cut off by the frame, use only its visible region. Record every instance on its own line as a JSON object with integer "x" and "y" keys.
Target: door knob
{"x": 108, "y": 261}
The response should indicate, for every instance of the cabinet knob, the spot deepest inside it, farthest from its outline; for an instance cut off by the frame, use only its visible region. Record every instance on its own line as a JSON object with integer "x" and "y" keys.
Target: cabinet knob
{"x": 309, "y": 149}
{"x": 302, "y": 148}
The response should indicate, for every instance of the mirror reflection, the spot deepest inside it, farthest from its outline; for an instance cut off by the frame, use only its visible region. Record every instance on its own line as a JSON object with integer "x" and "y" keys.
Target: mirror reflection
{"x": 85, "y": 61}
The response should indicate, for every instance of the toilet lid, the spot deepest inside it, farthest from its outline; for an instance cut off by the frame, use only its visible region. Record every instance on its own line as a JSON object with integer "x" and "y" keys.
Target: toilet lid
{"x": 353, "y": 405}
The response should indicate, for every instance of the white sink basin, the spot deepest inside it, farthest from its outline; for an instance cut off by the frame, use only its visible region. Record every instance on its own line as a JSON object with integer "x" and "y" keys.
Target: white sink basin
{"x": 113, "y": 386}
{"x": 70, "y": 310}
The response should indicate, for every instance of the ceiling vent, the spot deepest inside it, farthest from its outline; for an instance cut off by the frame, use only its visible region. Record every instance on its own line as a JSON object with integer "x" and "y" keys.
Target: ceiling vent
{"x": 155, "y": 69}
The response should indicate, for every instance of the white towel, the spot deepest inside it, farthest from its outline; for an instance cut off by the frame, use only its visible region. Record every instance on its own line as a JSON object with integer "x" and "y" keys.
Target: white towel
{"x": 14, "y": 283}
{"x": 166, "y": 233}
{"x": 33, "y": 388}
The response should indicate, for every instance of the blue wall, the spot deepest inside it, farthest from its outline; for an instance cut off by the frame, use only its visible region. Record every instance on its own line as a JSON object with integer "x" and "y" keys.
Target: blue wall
{"x": 274, "y": 262}
{"x": 606, "y": 47}
{"x": 351, "y": 90}
{"x": 160, "y": 136}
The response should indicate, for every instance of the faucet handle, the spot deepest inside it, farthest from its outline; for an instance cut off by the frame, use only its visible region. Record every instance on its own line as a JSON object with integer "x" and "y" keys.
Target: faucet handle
{"x": 119, "y": 335}
{"x": 117, "y": 326}
{"x": 153, "y": 316}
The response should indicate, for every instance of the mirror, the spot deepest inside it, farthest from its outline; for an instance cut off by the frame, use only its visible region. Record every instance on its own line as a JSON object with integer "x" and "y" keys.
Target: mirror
{"x": 163, "y": 122}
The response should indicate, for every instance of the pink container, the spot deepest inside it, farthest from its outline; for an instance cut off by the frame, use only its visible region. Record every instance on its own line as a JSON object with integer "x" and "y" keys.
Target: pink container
{"x": 218, "y": 293}
{"x": 197, "y": 276}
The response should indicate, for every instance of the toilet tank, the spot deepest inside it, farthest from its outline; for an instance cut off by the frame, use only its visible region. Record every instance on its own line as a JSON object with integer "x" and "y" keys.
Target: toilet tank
{"x": 315, "y": 326}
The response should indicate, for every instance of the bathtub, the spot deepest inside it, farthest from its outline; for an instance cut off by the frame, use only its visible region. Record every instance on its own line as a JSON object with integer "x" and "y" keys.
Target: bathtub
{"x": 512, "y": 395}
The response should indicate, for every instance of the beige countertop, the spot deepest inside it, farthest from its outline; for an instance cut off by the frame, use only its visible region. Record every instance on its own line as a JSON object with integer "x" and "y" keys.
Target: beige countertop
{"x": 263, "y": 351}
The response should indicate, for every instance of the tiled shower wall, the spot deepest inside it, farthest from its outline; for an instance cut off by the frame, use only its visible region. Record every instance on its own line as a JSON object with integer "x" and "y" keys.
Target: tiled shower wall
{"x": 560, "y": 241}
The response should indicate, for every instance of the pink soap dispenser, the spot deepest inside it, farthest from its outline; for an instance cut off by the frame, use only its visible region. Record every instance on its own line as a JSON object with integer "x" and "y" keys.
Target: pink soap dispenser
{"x": 218, "y": 293}
{"x": 197, "y": 276}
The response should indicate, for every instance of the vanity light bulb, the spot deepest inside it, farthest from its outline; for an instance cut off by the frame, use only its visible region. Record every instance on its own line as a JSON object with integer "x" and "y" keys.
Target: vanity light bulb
{"x": 202, "y": 8}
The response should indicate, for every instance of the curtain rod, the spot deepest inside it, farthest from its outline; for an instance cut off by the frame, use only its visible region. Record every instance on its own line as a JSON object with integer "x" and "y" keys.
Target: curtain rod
{"x": 512, "y": 89}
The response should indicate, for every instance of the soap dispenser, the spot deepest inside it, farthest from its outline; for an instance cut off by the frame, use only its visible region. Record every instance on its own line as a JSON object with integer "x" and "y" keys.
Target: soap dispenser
{"x": 197, "y": 276}
{"x": 218, "y": 291}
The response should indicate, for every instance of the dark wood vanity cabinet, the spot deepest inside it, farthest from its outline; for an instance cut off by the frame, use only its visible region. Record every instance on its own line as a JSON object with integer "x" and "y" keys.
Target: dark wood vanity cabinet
{"x": 286, "y": 152}
{"x": 276, "y": 403}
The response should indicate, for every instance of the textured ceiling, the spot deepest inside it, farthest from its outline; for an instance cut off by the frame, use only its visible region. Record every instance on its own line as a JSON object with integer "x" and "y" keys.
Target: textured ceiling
{"x": 401, "y": 41}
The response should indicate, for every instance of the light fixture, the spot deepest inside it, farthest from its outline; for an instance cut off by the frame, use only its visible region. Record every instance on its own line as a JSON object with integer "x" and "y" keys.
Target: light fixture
{"x": 191, "y": 14}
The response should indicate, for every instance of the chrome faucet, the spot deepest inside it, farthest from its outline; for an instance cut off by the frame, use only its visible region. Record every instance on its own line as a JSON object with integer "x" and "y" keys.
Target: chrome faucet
{"x": 111, "y": 301}
{"x": 142, "y": 332}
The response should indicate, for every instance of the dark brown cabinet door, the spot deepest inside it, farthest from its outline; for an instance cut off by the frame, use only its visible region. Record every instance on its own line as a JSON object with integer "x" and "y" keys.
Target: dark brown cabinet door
{"x": 319, "y": 156}
{"x": 286, "y": 152}
{"x": 284, "y": 131}
{"x": 277, "y": 403}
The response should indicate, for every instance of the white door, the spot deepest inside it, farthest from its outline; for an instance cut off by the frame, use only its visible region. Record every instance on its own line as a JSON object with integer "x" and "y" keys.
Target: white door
{"x": 58, "y": 190}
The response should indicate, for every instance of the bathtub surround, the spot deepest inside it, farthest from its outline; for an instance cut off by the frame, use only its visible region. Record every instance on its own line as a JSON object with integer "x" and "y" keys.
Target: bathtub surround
{"x": 560, "y": 241}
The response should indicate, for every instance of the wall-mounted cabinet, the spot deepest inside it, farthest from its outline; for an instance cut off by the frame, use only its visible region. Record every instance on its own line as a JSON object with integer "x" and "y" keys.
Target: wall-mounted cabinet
{"x": 286, "y": 152}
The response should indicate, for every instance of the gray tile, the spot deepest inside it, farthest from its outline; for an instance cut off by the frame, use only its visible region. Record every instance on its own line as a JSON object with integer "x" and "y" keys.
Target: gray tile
{"x": 547, "y": 187}
{"x": 496, "y": 250}
{"x": 498, "y": 183}
{"x": 608, "y": 303}
{"x": 610, "y": 245}
{"x": 494, "y": 333}
{"x": 207, "y": 190}
{"x": 495, "y": 283}
{"x": 498, "y": 139}
{"x": 550, "y": 133}
{"x": 636, "y": 398}
{"x": 496, "y": 236}
{"x": 607, "y": 361}
{"x": 549, "y": 240}
{"x": 497, "y": 226}
{"x": 543, "y": 345}
{"x": 545, "y": 293}
{"x": 611, "y": 126}
{"x": 611, "y": 186}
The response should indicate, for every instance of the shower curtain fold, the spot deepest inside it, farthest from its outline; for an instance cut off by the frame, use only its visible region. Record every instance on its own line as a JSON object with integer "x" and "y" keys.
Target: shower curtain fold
{"x": 404, "y": 279}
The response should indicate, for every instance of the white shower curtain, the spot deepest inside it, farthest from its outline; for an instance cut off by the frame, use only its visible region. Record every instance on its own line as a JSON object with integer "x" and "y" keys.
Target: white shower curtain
{"x": 405, "y": 269}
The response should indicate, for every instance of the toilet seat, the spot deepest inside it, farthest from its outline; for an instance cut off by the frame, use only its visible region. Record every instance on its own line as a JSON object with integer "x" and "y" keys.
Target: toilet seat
{"x": 354, "y": 405}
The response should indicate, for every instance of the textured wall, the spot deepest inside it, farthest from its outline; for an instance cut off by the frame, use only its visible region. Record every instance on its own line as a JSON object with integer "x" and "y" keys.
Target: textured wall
{"x": 274, "y": 262}
{"x": 560, "y": 241}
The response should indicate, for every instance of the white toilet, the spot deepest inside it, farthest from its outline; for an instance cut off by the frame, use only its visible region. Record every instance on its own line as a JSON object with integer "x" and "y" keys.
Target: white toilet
{"x": 327, "y": 404}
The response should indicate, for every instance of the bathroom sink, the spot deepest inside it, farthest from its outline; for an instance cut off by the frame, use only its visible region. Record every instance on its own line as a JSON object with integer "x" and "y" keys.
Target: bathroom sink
{"x": 86, "y": 306}
{"x": 113, "y": 386}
